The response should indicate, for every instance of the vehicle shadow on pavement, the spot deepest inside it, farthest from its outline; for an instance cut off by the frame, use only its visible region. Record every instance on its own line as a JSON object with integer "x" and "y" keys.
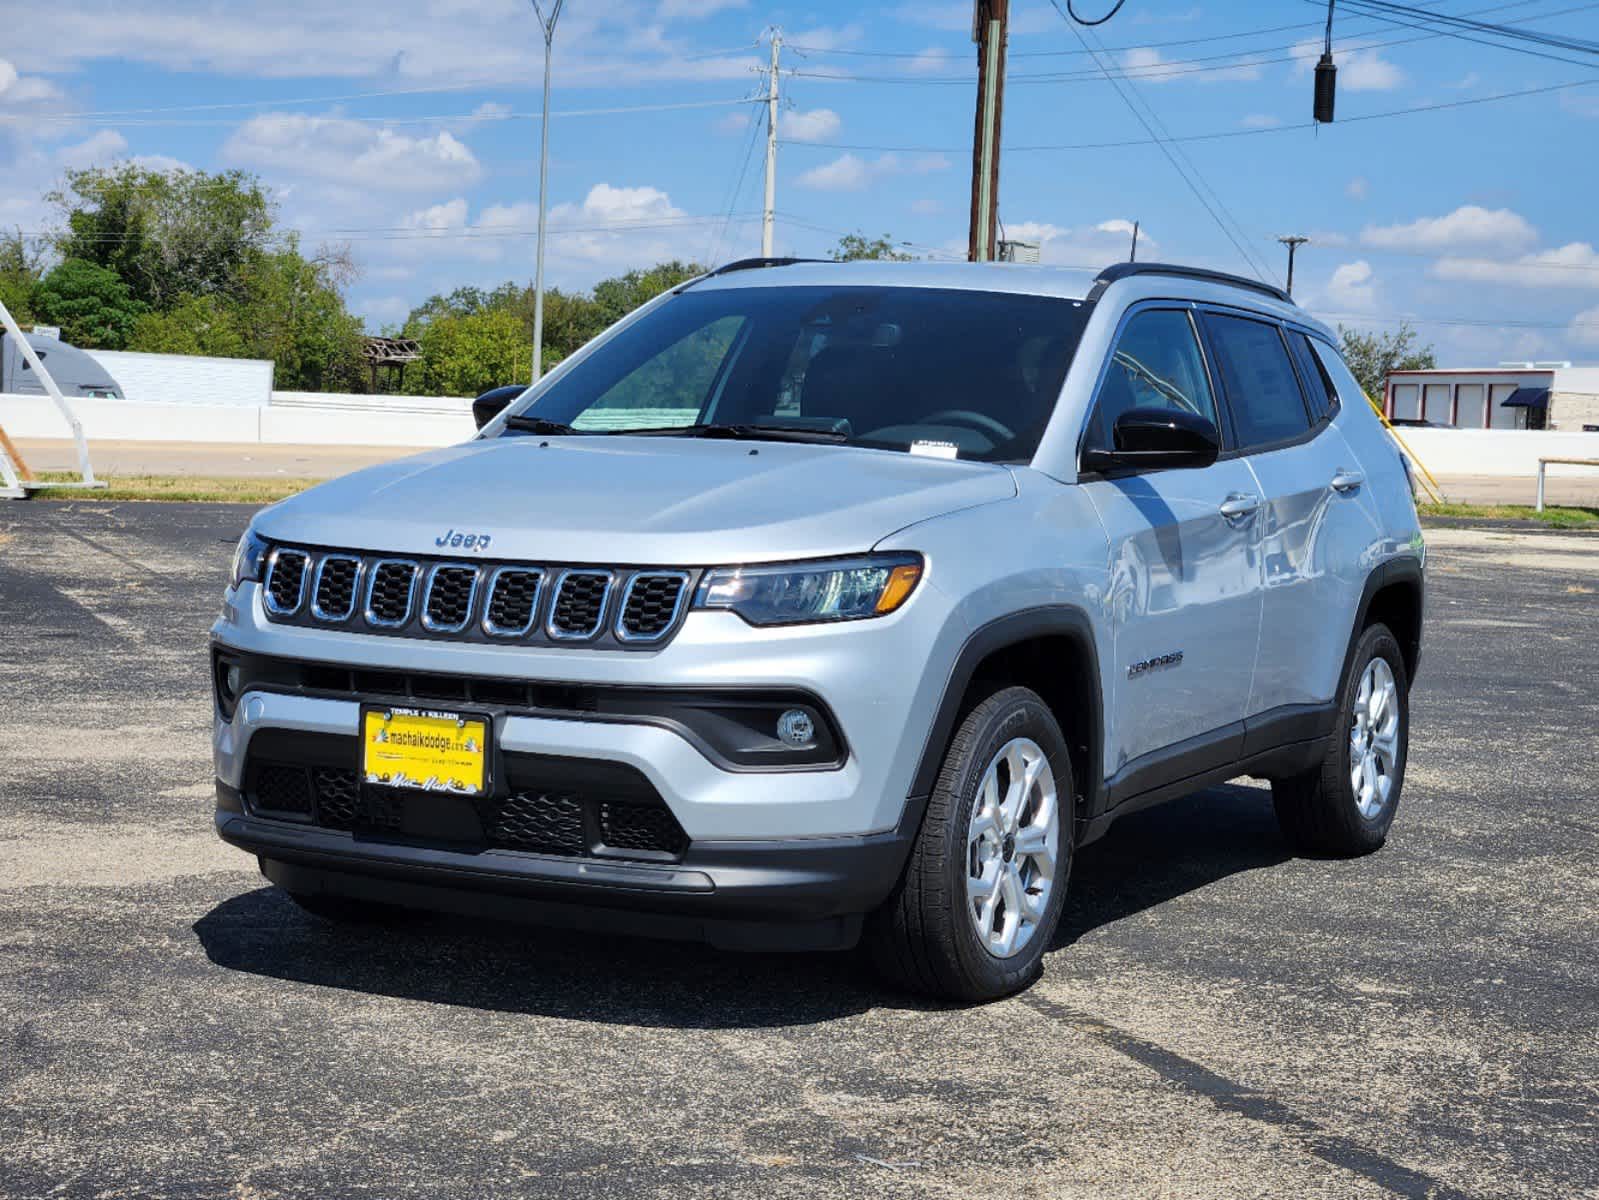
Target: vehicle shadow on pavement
{"x": 1167, "y": 851}
{"x": 1147, "y": 859}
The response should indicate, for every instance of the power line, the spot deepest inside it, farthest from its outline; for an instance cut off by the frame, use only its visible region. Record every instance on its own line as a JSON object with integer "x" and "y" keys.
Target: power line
{"x": 1514, "y": 32}
{"x": 1216, "y": 134}
{"x": 450, "y": 118}
{"x": 1177, "y": 68}
{"x": 1485, "y": 42}
{"x": 1171, "y": 155}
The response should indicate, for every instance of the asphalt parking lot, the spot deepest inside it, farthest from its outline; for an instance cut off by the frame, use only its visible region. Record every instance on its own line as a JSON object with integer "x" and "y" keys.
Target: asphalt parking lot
{"x": 1219, "y": 1019}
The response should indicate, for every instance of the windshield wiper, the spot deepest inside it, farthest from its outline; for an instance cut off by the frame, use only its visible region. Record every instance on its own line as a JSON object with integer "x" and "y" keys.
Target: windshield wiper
{"x": 523, "y": 423}
{"x": 752, "y": 432}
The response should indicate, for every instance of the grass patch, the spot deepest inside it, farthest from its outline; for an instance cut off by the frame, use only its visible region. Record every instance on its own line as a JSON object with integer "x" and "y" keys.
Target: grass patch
{"x": 236, "y": 489}
{"x": 1554, "y": 516}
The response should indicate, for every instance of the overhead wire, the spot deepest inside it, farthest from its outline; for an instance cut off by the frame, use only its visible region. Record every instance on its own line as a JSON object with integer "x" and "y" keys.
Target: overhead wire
{"x": 1241, "y": 245}
{"x": 1217, "y": 134}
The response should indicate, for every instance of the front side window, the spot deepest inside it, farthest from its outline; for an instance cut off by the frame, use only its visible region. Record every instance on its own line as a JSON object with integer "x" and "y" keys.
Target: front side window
{"x": 975, "y": 374}
{"x": 1156, "y": 364}
{"x": 1262, "y": 389}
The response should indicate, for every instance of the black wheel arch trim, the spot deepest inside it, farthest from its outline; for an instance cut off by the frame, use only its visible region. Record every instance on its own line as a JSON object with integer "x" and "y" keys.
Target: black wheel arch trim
{"x": 1401, "y": 569}
{"x": 1047, "y": 621}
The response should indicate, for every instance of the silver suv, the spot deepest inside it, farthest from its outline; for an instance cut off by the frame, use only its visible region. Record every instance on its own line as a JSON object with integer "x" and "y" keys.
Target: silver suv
{"x": 816, "y": 602}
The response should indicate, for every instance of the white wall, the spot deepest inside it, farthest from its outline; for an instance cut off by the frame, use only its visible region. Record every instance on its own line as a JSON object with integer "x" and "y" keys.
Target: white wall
{"x": 1500, "y": 451}
{"x": 129, "y": 420}
{"x": 188, "y": 378}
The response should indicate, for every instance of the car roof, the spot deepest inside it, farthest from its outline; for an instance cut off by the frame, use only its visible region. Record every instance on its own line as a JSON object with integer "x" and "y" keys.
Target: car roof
{"x": 1070, "y": 283}
{"x": 1129, "y": 282}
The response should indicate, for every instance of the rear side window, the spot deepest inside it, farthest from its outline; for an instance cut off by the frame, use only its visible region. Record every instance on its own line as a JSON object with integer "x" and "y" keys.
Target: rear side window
{"x": 1344, "y": 382}
{"x": 1262, "y": 389}
{"x": 1319, "y": 389}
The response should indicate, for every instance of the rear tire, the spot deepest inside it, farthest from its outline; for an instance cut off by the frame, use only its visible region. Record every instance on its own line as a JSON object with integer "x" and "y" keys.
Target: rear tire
{"x": 980, "y": 899}
{"x": 1346, "y": 805}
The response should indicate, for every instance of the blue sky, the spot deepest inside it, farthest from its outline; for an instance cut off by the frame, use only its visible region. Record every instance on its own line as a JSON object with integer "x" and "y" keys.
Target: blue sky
{"x": 408, "y": 130}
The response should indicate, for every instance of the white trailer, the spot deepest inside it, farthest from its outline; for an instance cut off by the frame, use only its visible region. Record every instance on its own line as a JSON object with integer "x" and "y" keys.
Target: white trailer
{"x": 189, "y": 378}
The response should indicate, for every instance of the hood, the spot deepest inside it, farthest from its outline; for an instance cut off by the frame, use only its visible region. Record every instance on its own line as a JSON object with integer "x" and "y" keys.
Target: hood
{"x": 658, "y": 501}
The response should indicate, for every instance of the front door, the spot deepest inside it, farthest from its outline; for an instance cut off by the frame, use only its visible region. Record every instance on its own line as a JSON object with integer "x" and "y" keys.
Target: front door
{"x": 1184, "y": 596}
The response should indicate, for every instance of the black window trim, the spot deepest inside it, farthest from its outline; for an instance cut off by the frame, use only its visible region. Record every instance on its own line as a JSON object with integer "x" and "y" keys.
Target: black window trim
{"x": 1212, "y": 376}
{"x": 1231, "y": 448}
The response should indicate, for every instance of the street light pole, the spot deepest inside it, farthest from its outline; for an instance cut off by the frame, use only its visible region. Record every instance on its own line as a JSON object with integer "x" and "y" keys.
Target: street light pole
{"x": 1293, "y": 242}
{"x": 769, "y": 212}
{"x": 547, "y": 27}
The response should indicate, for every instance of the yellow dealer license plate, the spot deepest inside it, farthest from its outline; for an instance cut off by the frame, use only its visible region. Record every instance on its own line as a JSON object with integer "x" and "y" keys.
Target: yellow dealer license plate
{"x": 421, "y": 748}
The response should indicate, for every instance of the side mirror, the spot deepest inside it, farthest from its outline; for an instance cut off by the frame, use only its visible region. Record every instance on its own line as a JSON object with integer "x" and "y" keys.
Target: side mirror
{"x": 1157, "y": 438}
{"x": 493, "y": 402}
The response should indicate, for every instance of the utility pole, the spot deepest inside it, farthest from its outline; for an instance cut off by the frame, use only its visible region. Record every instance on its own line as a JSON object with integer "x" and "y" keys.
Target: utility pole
{"x": 989, "y": 19}
{"x": 1132, "y": 255}
{"x": 770, "y": 213}
{"x": 1293, "y": 242}
{"x": 547, "y": 27}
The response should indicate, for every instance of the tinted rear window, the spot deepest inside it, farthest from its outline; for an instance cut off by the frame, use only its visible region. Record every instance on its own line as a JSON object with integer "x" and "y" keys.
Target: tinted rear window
{"x": 1262, "y": 389}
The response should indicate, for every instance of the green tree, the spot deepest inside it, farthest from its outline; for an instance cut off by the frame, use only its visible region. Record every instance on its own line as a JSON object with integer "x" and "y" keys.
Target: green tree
{"x": 166, "y": 233}
{"x": 194, "y": 325}
{"x": 615, "y": 298}
{"x": 1372, "y": 355}
{"x": 91, "y": 304}
{"x": 471, "y": 353}
{"x": 21, "y": 268}
{"x": 293, "y": 313}
{"x": 854, "y": 246}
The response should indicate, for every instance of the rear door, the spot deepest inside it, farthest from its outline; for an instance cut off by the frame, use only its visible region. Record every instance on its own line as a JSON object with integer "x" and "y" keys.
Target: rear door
{"x": 1184, "y": 594}
{"x": 1313, "y": 529}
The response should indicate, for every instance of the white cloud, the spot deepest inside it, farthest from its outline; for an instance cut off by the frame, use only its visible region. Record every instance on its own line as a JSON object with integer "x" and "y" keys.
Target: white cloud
{"x": 349, "y": 153}
{"x": 379, "y": 310}
{"x": 1352, "y": 288}
{"x": 1470, "y": 225}
{"x": 955, "y": 16}
{"x": 817, "y": 125}
{"x": 931, "y": 61}
{"x": 827, "y": 37}
{"x": 97, "y": 148}
{"x": 851, "y": 173}
{"x": 926, "y": 207}
{"x": 1357, "y": 188}
{"x": 1260, "y": 121}
{"x": 1358, "y": 70}
{"x": 1584, "y": 327}
{"x": 1574, "y": 265}
{"x": 689, "y": 10}
{"x": 436, "y": 41}
{"x": 1091, "y": 246}
{"x": 1149, "y": 65}
{"x": 734, "y": 122}
{"x": 611, "y": 227}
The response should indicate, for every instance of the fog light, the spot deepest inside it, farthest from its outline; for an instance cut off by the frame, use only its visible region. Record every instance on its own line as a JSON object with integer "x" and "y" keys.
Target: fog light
{"x": 234, "y": 678}
{"x": 796, "y": 727}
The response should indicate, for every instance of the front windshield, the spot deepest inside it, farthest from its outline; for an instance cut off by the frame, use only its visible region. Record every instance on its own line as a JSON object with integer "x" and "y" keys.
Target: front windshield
{"x": 959, "y": 373}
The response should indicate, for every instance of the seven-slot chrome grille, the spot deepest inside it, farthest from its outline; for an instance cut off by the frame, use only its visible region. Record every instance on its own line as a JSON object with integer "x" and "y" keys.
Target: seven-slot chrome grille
{"x": 470, "y": 601}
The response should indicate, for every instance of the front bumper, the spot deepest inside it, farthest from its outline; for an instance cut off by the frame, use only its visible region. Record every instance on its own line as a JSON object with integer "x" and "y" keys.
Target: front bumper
{"x": 779, "y": 895}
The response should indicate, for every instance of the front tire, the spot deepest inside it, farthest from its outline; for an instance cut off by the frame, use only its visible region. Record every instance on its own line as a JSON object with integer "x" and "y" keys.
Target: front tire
{"x": 980, "y": 899}
{"x": 1346, "y": 805}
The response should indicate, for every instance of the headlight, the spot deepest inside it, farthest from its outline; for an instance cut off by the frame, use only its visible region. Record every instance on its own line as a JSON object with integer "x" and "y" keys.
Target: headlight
{"x": 840, "y": 590}
{"x": 248, "y": 559}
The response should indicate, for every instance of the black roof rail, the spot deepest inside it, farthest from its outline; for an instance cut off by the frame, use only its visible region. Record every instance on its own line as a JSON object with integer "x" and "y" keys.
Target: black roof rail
{"x": 749, "y": 264}
{"x": 1125, "y": 270}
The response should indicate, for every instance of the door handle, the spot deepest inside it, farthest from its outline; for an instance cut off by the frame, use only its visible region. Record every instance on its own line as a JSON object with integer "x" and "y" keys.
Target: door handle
{"x": 1347, "y": 481}
{"x": 1239, "y": 504}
